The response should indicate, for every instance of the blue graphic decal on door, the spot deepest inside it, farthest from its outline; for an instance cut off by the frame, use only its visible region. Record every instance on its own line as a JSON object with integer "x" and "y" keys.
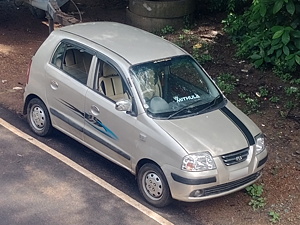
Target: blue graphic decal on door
{"x": 97, "y": 124}
{"x": 90, "y": 119}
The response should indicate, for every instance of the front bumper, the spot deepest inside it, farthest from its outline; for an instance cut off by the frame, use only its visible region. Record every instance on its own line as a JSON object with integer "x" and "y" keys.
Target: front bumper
{"x": 199, "y": 186}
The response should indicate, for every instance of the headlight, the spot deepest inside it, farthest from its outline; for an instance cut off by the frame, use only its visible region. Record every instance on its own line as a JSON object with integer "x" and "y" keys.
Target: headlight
{"x": 260, "y": 143}
{"x": 198, "y": 162}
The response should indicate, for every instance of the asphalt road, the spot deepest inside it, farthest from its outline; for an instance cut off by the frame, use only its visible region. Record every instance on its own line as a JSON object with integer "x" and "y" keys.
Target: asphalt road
{"x": 56, "y": 180}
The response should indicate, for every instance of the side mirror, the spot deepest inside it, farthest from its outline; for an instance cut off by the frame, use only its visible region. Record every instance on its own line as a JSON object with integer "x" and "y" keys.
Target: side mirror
{"x": 124, "y": 105}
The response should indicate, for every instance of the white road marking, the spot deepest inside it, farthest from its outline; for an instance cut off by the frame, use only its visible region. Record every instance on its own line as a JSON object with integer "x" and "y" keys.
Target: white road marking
{"x": 87, "y": 173}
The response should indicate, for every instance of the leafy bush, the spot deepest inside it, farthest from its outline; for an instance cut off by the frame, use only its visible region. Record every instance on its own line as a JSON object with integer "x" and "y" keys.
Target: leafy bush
{"x": 167, "y": 30}
{"x": 275, "y": 217}
{"x": 268, "y": 33}
{"x": 256, "y": 191}
{"x": 226, "y": 82}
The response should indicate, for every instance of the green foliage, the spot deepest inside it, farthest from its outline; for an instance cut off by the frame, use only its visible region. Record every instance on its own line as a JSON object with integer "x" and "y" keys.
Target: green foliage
{"x": 252, "y": 103}
{"x": 263, "y": 92}
{"x": 294, "y": 94}
{"x": 257, "y": 203}
{"x": 275, "y": 217}
{"x": 189, "y": 21}
{"x": 201, "y": 57}
{"x": 201, "y": 54}
{"x": 285, "y": 76}
{"x": 295, "y": 81}
{"x": 185, "y": 39}
{"x": 226, "y": 82}
{"x": 167, "y": 30}
{"x": 268, "y": 33}
{"x": 289, "y": 105}
{"x": 238, "y": 5}
{"x": 256, "y": 191}
{"x": 242, "y": 95}
{"x": 291, "y": 91}
{"x": 274, "y": 99}
{"x": 234, "y": 26}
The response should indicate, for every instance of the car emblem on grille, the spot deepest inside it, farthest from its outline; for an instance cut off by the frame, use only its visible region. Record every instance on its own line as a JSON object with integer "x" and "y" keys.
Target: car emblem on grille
{"x": 238, "y": 158}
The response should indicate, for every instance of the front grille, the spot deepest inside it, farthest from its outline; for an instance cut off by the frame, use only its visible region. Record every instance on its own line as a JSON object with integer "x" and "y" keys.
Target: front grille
{"x": 235, "y": 157}
{"x": 230, "y": 186}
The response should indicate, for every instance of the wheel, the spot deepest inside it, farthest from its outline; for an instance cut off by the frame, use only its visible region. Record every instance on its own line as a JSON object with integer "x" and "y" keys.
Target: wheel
{"x": 153, "y": 16}
{"x": 153, "y": 185}
{"x": 152, "y": 24}
{"x": 38, "y": 117}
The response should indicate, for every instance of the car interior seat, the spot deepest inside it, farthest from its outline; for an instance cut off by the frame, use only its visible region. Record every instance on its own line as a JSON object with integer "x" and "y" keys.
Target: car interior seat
{"x": 110, "y": 83}
{"x": 150, "y": 84}
{"x": 77, "y": 64}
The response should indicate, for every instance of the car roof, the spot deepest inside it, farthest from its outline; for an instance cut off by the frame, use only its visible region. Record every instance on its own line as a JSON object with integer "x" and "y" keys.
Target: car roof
{"x": 133, "y": 44}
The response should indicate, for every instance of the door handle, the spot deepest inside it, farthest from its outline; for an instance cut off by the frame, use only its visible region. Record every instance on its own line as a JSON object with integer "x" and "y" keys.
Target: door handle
{"x": 54, "y": 85}
{"x": 95, "y": 110}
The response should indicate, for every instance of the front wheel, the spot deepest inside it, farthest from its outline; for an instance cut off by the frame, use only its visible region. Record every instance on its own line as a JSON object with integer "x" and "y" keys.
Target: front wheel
{"x": 38, "y": 117}
{"x": 153, "y": 185}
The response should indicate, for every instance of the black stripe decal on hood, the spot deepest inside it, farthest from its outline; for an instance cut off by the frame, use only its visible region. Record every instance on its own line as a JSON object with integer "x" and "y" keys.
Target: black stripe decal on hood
{"x": 239, "y": 124}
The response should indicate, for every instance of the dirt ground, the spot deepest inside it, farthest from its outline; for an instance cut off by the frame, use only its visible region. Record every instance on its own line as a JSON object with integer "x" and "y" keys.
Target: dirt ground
{"x": 21, "y": 35}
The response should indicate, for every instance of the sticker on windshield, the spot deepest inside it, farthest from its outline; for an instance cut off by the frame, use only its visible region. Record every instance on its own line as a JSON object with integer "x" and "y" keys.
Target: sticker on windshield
{"x": 186, "y": 98}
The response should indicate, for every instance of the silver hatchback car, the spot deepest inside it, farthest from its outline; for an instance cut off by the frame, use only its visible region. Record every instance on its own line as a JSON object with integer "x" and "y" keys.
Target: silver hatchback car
{"x": 148, "y": 106}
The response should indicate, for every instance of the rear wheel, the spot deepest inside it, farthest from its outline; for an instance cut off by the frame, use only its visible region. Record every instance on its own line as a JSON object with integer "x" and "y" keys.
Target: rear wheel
{"x": 153, "y": 185}
{"x": 38, "y": 117}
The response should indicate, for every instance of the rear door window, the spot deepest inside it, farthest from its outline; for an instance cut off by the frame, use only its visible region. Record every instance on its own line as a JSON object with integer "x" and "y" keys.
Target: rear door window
{"x": 74, "y": 60}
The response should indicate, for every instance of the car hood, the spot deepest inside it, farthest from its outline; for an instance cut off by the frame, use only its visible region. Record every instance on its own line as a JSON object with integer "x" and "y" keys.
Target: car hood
{"x": 217, "y": 131}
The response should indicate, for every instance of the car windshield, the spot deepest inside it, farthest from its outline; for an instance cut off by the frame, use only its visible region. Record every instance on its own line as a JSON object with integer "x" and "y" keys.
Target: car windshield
{"x": 175, "y": 88}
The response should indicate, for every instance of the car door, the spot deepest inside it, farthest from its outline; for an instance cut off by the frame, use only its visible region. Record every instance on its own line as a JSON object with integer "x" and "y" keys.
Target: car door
{"x": 67, "y": 77}
{"x": 108, "y": 131}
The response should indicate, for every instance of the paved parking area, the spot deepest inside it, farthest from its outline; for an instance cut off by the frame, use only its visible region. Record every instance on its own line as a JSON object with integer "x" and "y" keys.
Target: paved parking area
{"x": 39, "y": 187}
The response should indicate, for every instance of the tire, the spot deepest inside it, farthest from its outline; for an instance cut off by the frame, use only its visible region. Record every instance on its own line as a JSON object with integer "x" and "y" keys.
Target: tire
{"x": 153, "y": 185}
{"x": 152, "y": 24}
{"x": 153, "y": 16}
{"x": 38, "y": 117}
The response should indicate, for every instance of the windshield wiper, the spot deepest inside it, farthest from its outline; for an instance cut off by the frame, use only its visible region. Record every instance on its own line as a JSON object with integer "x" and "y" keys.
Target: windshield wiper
{"x": 209, "y": 105}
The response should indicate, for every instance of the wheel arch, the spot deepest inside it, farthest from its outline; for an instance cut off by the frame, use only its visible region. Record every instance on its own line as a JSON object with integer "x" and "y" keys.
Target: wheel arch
{"x": 27, "y": 100}
{"x": 143, "y": 162}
